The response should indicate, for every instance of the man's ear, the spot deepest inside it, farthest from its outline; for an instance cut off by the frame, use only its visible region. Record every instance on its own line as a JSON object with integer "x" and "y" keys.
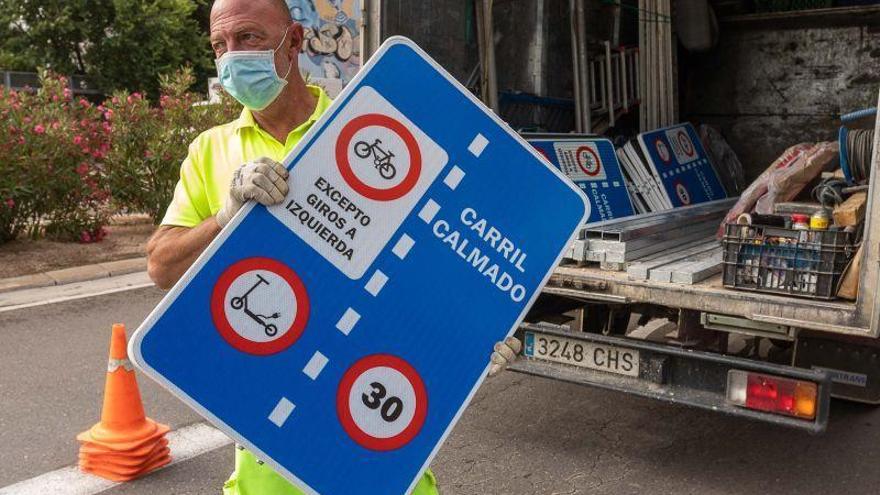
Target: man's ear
{"x": 297, "y": 35}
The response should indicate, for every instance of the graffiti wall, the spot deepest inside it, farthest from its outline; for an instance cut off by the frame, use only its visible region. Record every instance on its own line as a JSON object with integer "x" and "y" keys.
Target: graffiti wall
{"x": 331, "y": 52}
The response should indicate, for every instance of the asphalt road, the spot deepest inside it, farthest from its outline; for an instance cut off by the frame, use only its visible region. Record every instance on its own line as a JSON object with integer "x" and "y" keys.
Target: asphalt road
{"x": 521, "y": 435}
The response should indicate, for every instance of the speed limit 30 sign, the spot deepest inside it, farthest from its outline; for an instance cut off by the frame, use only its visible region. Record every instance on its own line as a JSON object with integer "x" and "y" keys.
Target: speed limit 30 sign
{"x": 339, "y": 334}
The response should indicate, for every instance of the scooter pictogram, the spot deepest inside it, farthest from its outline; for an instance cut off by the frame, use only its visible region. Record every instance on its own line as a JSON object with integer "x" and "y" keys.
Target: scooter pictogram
{"x": 241, "y": 302}
{"x": 381, "y": 158}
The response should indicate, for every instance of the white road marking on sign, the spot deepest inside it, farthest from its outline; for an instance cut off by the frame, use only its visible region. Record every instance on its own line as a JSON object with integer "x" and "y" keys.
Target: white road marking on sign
{"x": 478, "y": 145}
{"x": 281, "y": 412}
{"x": 348, "y": 321}
{"x": 453, "y": 178}
{"x": 185, "y": 443}
{"x": 428, "y": 211}
{"x": 404, "y": 244}
{"x": 376, "y": 282}
{"x": 315, "y": 365}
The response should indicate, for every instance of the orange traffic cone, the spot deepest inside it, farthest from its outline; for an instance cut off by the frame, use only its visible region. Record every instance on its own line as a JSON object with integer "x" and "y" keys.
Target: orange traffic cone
{"x": 125, "y": 444}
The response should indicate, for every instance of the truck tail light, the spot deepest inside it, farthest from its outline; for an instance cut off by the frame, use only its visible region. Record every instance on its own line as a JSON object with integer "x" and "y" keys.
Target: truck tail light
{"x": 772, "y": 394}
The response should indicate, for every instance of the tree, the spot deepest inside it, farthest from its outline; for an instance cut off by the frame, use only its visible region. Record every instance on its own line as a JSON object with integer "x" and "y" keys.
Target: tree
{"x": 120, "y": 44}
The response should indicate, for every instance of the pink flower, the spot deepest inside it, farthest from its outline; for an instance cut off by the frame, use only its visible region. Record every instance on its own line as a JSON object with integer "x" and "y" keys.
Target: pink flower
{"x": 56, "y": 125}
{"x": 82, "y": 168}
{"x": 26, "y": 120}
{"x": 39, "y": 129}
{"x": 77, "y": 140}
{"x": 84, "y": 102}
{"x": 10, "y": 203}
{"x": 85, "y": 237}
{"x": 67, "y": 93}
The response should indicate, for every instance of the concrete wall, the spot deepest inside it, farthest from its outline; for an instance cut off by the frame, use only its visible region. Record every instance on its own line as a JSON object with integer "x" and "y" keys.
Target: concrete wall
{"x": 768, "y": 89}
{"x": 443, "y": 28}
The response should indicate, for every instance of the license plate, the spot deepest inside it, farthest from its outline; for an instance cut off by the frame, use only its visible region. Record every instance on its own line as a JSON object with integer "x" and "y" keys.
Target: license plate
{"x": 590, "y": 355}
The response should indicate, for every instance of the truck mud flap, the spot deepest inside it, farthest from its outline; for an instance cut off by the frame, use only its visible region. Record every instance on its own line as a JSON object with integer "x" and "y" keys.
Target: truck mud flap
{"x": 672, "y": 374}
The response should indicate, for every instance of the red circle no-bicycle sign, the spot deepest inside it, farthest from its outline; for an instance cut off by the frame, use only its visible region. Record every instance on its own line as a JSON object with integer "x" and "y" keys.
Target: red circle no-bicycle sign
{"x": 351, "y": 178}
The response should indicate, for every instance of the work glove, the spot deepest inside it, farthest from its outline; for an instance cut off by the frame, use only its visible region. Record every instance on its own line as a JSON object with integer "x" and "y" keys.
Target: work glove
{"x": 264, "y": 180}
{"x": 504, "y": 353}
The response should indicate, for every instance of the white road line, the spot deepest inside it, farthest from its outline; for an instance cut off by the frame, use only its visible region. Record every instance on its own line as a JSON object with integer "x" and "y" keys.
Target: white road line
{"x": 376, "y": 282}
{"x": 348, "y": 321}
{"x": 478, "y": 145}
{"x": 453, "y": 178}
{"x": 27, "y": 298}
{"x": 404, "y": 244}
{"x": 185, "y": 443}
{"x": 315, "y": 365}
{"x": 281, "y": 412}
{"x": 428, "y": 211}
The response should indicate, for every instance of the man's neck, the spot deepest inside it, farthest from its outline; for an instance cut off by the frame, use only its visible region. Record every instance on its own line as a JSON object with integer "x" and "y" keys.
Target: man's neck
{"x": 293, "y": 106}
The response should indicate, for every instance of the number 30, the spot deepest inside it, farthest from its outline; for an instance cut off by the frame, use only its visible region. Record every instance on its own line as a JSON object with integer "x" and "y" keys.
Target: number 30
{"x": 391, "y": 409}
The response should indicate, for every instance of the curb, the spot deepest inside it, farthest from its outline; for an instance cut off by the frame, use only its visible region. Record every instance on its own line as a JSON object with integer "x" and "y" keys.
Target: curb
{"x": 75, "y": 274}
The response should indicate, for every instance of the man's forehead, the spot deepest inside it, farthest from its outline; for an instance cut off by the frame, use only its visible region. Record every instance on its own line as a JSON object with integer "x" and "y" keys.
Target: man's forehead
{"x": 262, "y": 11}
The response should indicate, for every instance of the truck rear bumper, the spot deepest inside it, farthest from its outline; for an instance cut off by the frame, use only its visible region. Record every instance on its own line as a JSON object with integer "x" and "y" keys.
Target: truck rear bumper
{"x": 681, "y": 376}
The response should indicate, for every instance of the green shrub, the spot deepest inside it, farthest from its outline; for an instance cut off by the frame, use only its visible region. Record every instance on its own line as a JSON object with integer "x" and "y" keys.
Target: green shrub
{"x": 51, "y": 164}
{"x": 150, "y": 141}
{"x": 66, "y": 164}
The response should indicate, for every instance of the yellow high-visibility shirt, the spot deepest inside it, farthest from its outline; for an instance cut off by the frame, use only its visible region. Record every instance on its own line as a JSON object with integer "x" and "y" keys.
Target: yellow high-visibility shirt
{"x": 214, "y": 155}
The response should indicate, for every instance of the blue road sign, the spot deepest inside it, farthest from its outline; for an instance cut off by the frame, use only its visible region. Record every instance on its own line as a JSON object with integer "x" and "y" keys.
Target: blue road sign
{"x": 340, "y": 335}
{"x": 682, "y": 165}
{"x": 592, "y": 165}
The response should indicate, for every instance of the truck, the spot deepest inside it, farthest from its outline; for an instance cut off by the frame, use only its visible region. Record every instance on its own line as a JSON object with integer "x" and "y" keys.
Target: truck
{"x": 767, "y": 357}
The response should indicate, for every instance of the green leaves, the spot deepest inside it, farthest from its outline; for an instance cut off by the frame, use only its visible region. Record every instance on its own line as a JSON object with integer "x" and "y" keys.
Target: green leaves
{"x": 121, "y": 44}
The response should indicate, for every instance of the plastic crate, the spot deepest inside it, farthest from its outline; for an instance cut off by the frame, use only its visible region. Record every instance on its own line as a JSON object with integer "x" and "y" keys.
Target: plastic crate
{"x": 785, "y": 261}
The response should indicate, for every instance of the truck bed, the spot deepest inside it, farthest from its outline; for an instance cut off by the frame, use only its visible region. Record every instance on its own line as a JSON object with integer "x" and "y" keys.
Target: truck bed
{"x": 592, "y": 284}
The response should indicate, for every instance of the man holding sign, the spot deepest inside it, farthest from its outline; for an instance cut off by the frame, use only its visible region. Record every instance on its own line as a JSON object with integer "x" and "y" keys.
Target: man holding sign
{"x": 257, "y": 45}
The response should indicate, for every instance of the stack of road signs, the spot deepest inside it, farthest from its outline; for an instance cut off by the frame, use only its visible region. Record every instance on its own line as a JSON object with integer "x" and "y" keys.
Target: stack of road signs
{"x": 340, "y": 335}
{"x": 645, "y": 190}
{"x": 669, "y": 168}
{"x": 590, "y": 162}
{"x": 682, "y": 166}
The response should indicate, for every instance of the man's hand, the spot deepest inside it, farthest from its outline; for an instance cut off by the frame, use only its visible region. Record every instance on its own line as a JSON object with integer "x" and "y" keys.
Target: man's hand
{"x": 504, "y": 354}
{"x": 263, "y": 180}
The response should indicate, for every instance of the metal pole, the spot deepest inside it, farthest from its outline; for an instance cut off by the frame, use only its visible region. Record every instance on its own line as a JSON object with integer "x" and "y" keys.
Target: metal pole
{"x": 643, "y": 70}
{"x": 609, "y": 83}
{"x": 578, "y": 96}
{"x": 582, "y": 63}
{"x": 371, "y": 25}
{"x": 490, "y": 55}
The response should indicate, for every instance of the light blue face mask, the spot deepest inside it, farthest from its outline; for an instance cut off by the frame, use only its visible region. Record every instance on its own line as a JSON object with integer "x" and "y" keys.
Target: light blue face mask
{"x": 250, "y": 76}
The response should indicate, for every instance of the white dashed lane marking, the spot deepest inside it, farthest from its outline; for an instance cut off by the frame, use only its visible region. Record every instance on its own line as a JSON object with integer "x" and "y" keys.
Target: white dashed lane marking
{"x": 478, "y": 145}
{"x": 428, "y": 211}
{"x": 453, "y": 178}
{"x": 282, "y": 411}
{"x": 348, "y": 321}
{"x": 315, "y": 365}
{"x": 404, "y": 244}
{"x": 376, "y": 282}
